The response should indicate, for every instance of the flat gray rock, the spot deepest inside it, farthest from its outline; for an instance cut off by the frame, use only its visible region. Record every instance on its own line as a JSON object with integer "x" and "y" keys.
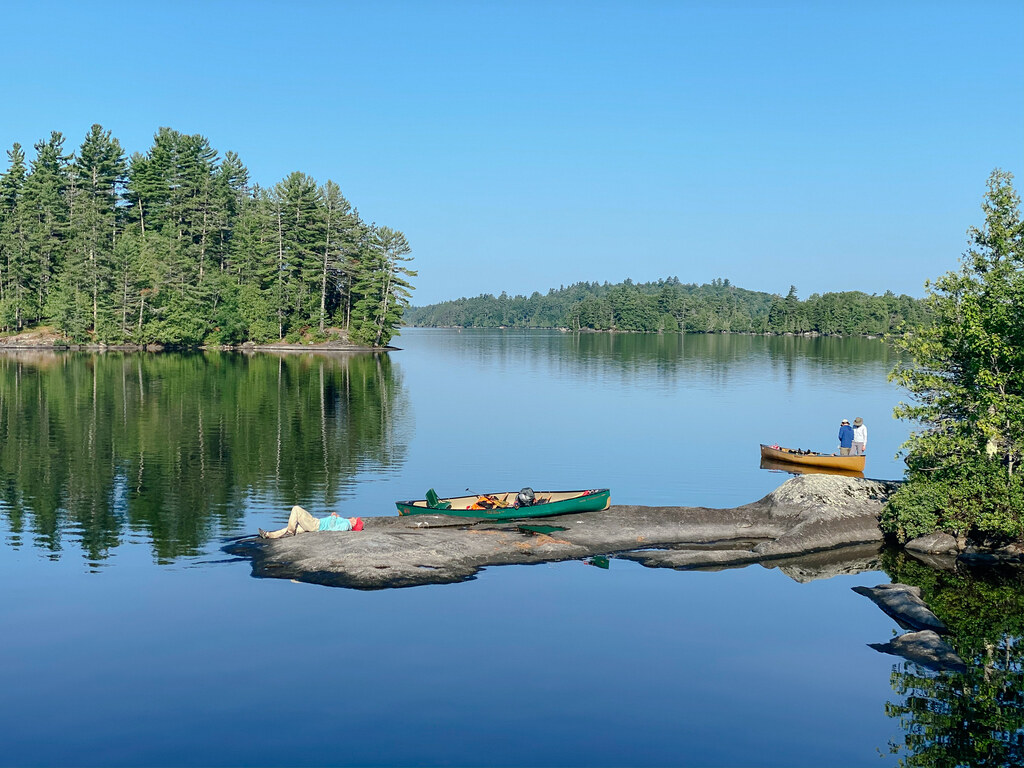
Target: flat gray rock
{"x": 904, "y": 604}
{"x": 934, "y": 544}
{"x": 925, "y": 648}
{"x": 806, "y": 515}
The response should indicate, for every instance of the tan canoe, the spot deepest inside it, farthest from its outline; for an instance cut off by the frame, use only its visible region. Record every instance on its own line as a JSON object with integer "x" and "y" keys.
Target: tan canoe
{"x": 828, "y": 460}
{"x": 806, "y": 469}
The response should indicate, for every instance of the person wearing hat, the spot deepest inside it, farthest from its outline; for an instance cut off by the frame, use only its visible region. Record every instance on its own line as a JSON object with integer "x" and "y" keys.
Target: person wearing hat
{"x": 300, "y": 521}
{"x": 860, "y": 437}
{"x": 845, "y": 437}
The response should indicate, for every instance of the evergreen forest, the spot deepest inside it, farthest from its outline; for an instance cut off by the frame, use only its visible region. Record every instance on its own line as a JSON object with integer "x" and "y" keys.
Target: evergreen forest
{"x": 670, "y": 306}
{"x": 176, "y": 246}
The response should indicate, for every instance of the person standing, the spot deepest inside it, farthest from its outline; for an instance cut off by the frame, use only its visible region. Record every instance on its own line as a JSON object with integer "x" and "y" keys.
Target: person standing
{"x": 845, "y": 437}
{"x": 860, "y": 437}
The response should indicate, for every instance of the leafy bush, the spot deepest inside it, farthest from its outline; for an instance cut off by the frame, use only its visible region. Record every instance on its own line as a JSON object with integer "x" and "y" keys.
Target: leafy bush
{"x": 965, "y": 372}
{"x": 971, "y": 499}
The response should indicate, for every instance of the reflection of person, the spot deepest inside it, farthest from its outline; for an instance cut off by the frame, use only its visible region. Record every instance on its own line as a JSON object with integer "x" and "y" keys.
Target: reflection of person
{"x": 300, "y": 521}
{"x": 860, "y": 437}
{"x": 845, "y": 437}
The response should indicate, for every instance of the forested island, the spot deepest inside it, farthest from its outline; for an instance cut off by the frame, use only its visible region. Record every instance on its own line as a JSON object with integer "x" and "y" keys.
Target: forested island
{"x": 177, "y": 247}
{"x": 670, "y": 306}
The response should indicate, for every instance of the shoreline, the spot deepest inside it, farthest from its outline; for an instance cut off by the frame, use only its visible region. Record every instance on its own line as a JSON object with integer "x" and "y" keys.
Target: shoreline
{"x": 563, "y": 329}
{"x": 45, "y": 340}
{"x": 812, "y": 526}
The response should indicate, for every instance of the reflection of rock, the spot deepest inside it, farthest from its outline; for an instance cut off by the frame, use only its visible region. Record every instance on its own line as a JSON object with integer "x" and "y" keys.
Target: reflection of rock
{"x": 808, "y": 514}
{"x": 933, "y": 544}
{"x": 1009, "y": 554}
{"x": 904, "y": 604}
{"x": 938, "y": 562}
{"x": 803, "y": 568}
{"x": 847, "y": 561}
{"x": 925, "y": 648}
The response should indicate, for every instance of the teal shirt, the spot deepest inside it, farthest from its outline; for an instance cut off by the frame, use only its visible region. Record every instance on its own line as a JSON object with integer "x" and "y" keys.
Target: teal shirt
{"x": 332, "y": 523}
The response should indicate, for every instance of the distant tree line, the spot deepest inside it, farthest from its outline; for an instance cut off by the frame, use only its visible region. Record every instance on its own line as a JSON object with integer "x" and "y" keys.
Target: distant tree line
{"x": 176, "y": 246}
{"x": 669, "y": 306}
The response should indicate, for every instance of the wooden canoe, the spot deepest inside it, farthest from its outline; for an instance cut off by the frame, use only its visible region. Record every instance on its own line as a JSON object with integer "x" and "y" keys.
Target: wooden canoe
{"x": 546, "y": 503}
{"x": 809, "y": 458}
{"x": 806, "y": 469}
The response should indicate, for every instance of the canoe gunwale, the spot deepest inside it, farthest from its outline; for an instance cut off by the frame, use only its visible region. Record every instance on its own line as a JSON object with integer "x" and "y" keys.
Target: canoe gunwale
{"x": 579, "y": 501}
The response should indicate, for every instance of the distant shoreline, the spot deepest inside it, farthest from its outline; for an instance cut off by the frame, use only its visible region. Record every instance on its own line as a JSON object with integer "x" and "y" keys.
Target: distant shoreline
{"x": 37, "y": 340}
{"x": 806, "y": 334}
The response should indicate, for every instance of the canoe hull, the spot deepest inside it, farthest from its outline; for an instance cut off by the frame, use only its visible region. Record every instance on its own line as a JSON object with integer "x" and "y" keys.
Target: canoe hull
{"x": 806, "y": 469}
{"x": 848, "y": 463}
{"x": 557, "y": 503}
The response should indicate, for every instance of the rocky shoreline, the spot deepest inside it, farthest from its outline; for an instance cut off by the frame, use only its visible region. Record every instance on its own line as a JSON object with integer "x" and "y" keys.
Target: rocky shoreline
{"x": 811, "y": 526}
{"x": 45, "y": 339}
{"x": 809, "y": 523}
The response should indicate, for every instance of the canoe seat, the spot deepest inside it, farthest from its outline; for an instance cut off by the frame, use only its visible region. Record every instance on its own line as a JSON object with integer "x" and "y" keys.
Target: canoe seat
{"x": 435, "y": 503}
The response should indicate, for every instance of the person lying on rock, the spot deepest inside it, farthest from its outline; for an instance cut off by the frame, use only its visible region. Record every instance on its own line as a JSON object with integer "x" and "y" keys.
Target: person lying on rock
{"x": 300, "y": 521}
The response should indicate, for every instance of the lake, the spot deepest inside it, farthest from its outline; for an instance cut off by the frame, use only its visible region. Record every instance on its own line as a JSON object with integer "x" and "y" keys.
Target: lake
{"x": 130, "y": 637}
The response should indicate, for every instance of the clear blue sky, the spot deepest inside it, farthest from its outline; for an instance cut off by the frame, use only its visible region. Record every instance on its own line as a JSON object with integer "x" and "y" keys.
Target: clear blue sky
{"x": 524, "y": 145}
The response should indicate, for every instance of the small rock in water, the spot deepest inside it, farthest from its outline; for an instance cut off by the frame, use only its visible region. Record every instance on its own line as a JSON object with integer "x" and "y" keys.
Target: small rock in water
{"x": 903, "y": 602}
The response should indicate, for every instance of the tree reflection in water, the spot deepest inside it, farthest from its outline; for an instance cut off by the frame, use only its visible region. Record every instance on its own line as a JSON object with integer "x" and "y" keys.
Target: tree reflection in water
{"x": 98, "y": 447}
{"x": 976, "y": 718}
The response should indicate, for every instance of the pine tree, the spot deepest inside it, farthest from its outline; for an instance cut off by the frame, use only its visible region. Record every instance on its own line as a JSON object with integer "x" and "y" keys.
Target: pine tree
{"x": 98, "y": 170}
{"x": 300, "y": 243}
{"x": 13, "y": 245}
{"x": 47, "y": 204}
{"x": 383, "y": 290}
{"x": 340, "y": 233}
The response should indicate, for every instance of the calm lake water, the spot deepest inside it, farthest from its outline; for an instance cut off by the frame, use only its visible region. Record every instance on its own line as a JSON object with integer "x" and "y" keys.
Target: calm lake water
{"x": 129, "y": 636}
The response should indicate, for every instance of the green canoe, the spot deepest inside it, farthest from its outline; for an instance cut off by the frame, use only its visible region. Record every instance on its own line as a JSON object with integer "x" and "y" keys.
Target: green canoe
{"x": 502, "y": 505}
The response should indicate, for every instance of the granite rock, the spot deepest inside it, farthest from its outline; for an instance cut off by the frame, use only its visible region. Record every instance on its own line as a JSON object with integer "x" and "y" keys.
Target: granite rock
{"x": 807, "y": 514}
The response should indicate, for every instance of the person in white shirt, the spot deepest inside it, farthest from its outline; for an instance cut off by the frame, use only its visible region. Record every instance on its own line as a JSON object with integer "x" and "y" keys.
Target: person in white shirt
{"x": 860, "y": 437}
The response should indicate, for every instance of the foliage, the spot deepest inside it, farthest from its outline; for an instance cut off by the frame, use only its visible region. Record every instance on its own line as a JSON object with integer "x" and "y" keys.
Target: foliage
{"x": 189, "y": 449}
{"x": 966, "y": 375}
{"x": 975, "y": 718}
{"x": 383, "y": 290}
{"x": 175, "y": 246}
{"x": 669, "y": 306}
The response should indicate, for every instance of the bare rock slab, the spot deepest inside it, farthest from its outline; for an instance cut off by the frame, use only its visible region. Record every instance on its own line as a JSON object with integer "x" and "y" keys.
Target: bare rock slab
{"x": 903, "y": 602}
{"x": 807, "y": 514}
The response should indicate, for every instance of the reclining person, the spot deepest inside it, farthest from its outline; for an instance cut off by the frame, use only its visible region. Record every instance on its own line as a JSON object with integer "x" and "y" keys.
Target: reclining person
{"x": 300, "y": 521}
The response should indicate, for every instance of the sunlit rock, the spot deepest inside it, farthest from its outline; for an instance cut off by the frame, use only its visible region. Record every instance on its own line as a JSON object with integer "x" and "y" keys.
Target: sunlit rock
{"x": 934, "y": 544}
{"x": 808, "y": 514}
{"x": 903, "y": 602}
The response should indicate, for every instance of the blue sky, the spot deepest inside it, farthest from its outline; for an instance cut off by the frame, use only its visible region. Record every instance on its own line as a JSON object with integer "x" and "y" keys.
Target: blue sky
{"x": 525, "y": 145}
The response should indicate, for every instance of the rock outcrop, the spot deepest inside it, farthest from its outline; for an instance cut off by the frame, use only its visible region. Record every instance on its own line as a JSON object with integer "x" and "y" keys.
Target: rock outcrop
{"x": 807, "y": 514}
{"x": 934, "y": 544}
{"x": 904, "y": 604}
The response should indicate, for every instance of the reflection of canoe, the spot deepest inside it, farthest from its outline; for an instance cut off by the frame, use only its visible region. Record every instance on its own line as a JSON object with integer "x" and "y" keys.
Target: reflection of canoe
{"x": 855, "y": 463}
{"x": 545, "y": 503}
{"x": 806, "y": 469}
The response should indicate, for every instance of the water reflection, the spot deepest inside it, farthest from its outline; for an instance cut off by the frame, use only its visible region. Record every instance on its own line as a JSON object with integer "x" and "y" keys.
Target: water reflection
{"x": 977, "y": 717}
{"x": 101, "y": 447}
{"x": 654, "y": 359}
{"x": 805, "y": 469}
